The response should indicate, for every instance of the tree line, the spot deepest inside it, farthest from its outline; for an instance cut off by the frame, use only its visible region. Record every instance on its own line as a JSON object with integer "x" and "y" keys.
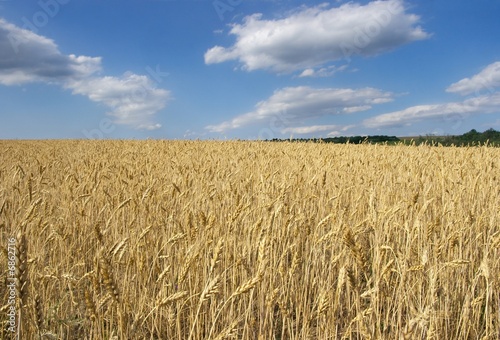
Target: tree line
{"x": 473, "y": 137}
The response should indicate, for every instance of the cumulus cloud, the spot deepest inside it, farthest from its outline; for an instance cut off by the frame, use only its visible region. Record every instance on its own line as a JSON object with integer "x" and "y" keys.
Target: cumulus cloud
{"x": 26, "y": 57}
{"x": 486, "y": 80}
{"x": 296, "y": 103}
{"x": 322, "y": 72}
{"x": 300, "y": 130}
{"x": 333, "y": 130}
{"x": 447, "y": 111}
{"x": 133, "y": 98}
{"x": 314, "y": 36}
{"x": 342, "y": 131}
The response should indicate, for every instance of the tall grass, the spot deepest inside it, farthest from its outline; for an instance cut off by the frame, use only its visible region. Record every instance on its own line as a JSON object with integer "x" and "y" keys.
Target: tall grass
{"x": 251, "y": 240}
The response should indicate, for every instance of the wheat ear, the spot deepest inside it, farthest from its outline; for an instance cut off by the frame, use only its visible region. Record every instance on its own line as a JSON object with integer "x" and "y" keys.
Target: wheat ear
{"x": 21, "y": 275}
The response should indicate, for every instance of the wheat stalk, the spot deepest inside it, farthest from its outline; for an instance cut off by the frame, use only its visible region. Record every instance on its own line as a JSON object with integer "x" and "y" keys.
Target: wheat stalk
{"x": 246, "y": 287}
{"x": 21, "y": 268}
{"x": 38, "y": 314}
{"x": 109, "y": 281}
{"x": 210, "y": 289}
{"x": 90, "y": 306}
{"x": 172, "y": 298}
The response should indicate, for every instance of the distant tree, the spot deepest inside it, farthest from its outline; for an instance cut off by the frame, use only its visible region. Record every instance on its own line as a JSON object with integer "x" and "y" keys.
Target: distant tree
{"x": 491, "y": 134}
{"x": 471, "y": 135}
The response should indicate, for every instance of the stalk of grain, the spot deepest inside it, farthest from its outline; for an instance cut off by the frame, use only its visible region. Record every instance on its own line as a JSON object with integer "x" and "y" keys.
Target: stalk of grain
{"x": 216, "y": 256}
{"x": 98, "y": 233}
{"x": 21, "y": 278}
{"x": 210, "y": 289}
{"x": 172, "y": 298}
{"x": 242, "y": 289}
{"x": 109, "y": 281}
{"x": 38, "y": 314}
{"x": 229, "y": 332}
{"x": 246, "y": 287}
{"x": 90, "y": 307}
{"x": 323, "y": 304}
{"x": 356, "y": 249}
{"x": 118, "y": 249}
{"x": 190, "y": 258}
{"x": 21, "y": 268}
{"x": 167, "y": 302}
{"x": 163, "y": 274}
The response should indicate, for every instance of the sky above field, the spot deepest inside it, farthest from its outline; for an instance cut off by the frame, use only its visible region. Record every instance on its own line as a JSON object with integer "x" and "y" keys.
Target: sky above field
{"x": 249, "y": 69}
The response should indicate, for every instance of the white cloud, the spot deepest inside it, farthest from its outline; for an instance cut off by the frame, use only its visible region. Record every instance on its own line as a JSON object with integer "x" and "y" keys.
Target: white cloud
{"x": 322, "y": 72}
{"x": 309, "y": 129}
{"x": 133, "y": 98}
{"x": 26, "y": 57}
{"x": 360, "y": 108}
{"x": 308, "y": 72}
{"x": 149, "y": 127}
{"x": 454, "y": 112}
{"x": 311, "y": 37}
{"x": 295, "y": 103}
{"x": 334, "y": 130}
{"x": 447, "y": 111}
{"x": 342, "y": 131}
{"x": 486, "y": 80}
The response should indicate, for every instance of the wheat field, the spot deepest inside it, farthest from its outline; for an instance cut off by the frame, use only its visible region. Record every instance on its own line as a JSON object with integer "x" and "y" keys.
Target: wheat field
{"x": 250, "y": 240}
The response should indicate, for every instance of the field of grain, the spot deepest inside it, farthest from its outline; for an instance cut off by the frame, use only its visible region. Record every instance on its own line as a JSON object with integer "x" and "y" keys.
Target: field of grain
{"x": 250, "y": 240}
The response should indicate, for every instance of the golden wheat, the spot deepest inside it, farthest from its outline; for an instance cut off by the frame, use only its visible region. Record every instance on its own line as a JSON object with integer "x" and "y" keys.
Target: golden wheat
{"x": 250, "y": 240}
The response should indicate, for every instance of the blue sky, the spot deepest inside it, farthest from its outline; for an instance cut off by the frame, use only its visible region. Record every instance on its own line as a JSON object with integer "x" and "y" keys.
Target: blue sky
{"x": 256, "y": 69}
